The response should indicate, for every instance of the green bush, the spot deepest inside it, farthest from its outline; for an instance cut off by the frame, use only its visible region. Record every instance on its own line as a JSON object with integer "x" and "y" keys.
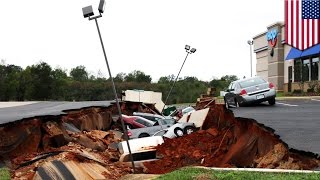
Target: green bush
{"x": 4, "y": 174}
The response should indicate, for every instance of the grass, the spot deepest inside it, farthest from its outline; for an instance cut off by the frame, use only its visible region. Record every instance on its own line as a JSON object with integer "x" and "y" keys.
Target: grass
{"x": 204, "y": 174}
{"x": 4, "y": 174}
{"x": 280, "y": 94}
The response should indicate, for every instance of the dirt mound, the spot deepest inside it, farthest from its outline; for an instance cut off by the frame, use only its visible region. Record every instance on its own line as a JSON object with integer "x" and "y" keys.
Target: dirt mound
{"x": 226, "y": 141}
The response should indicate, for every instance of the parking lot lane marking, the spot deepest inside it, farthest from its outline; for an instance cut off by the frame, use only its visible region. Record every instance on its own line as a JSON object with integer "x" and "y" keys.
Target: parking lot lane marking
{"x": 315, "y": 100}
{"x": 292, "y": 105}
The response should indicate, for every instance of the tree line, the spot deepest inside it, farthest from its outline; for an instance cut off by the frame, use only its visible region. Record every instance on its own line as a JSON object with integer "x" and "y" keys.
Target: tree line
{"x": 40, "y": 82}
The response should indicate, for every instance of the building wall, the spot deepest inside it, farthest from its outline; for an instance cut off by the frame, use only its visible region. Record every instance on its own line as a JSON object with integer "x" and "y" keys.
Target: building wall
{"x": 270, "y": 60}
{"x": 262, "y": 64}
{"x": 273, "y": 67}
{"x": 287, "y": 63}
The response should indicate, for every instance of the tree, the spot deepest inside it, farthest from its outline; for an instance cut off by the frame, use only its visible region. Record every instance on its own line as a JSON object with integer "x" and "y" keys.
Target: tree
{"x": 229, "y": 78}
{"x": 137, "y": 76}
{"x": 222, "y": 83}
{"x": 59, "y": 84}
{"x": 37, "y": 81}
{"x": 120, "y": 77}
{"x": 79, "y": 73}
{"x": 9, "y": 81}
{"x": 2, "y": 81}
{"x": 166, "y": 79}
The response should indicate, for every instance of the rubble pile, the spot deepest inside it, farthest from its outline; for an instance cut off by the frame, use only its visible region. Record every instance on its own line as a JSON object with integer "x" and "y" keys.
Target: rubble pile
{"x": 75, "y": 140}
{"x": 226, "y": 141}
{"x": 83, "y": 144}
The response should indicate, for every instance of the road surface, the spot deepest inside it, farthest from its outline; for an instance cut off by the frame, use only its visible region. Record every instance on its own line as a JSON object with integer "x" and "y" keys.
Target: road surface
{"x": 296, "y": 121}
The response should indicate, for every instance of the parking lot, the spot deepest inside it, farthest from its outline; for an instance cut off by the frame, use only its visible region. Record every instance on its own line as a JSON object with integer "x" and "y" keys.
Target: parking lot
{"x": 296, "y": 121}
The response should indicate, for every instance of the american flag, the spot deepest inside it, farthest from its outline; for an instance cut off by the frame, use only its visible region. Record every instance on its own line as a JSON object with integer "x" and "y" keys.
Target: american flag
{"x": 302, "y": 18}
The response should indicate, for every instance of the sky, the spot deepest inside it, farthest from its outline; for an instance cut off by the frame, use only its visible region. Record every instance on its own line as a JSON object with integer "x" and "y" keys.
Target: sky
{"x": 145, "y": 35}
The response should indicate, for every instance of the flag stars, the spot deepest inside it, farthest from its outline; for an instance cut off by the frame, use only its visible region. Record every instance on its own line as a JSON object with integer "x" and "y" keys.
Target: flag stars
{"x": 311, "y": 9}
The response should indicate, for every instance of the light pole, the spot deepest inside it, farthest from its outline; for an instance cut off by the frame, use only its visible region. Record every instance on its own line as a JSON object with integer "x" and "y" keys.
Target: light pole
{"x": 250, "y": 42}
{"x": 189, "y": 51}
{"x": 88, "y": 12}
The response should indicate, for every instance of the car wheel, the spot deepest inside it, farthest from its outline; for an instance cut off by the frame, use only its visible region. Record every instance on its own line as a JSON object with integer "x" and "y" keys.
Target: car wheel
{"x": 189, "y": 130}
{"x": 272, "y": 101}
{"x": 178, "y": 132}
{"x": 237, "y": 103}
{"x": 143, "y": 135}
{"x": 226, "y": 104}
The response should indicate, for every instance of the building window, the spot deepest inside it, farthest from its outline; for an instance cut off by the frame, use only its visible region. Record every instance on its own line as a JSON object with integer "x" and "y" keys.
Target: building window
{"x": 305, "y": 69}
{"x": 297, "y": 70}
{"x": 315, "y": 68}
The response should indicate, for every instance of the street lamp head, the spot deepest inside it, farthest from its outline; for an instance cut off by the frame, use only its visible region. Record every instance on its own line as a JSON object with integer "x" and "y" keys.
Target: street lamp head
{"x": 187, "y": 47}
{"x": 87, "y": 11}
{"x": 193, "y": 50}
{"x": 101, "y": 6}
{"x": 250, "y": 42}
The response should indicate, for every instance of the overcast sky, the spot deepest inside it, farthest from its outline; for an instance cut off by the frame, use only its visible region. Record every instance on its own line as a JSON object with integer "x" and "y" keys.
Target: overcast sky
{"x": 145, "y": 35}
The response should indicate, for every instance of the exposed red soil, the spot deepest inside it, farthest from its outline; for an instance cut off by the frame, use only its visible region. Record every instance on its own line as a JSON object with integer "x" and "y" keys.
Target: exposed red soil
{"x": 90, "y": 118}
{"x": 223, "y": 141}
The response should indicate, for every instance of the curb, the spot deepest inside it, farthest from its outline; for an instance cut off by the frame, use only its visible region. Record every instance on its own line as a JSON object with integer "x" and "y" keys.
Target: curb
{"x": 260, "y": 170}
{"x": 297, "y": 97}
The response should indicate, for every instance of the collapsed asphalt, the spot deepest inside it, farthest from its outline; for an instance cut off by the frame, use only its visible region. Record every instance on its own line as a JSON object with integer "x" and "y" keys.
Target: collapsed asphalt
{"x": 296, "y": 121}
{"x": 224, "y": 141}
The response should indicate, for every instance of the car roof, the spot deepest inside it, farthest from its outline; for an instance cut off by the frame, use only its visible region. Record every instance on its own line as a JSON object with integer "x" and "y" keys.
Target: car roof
{"x": 145, "y": 119}
{"x": 146, "y": 114}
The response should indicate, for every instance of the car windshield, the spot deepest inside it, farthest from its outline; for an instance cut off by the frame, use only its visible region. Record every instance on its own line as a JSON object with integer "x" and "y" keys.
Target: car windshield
{"x": 168, "y": 121}
{"x": 145, "y": 122}
{"x": 251, "y": 82}
{"x": 187, "y": 109}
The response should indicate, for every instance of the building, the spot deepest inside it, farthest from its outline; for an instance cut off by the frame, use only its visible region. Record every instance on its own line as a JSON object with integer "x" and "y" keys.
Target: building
{"x": 289, "y": 69}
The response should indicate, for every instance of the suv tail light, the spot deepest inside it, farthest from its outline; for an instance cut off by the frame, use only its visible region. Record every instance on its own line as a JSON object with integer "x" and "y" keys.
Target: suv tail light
{"x": 129, "y": 133}
{"x": 243, "y": 92}
{"x": 271, "y": 86}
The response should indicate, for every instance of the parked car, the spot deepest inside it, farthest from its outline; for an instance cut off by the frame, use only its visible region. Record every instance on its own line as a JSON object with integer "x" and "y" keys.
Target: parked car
{"x": 152, "y": 117}
{"x": 133, "y": 122}
{"x": 249, "y": 91}
{"x": 163, "y": 128}
{"x": 188, "y": 110}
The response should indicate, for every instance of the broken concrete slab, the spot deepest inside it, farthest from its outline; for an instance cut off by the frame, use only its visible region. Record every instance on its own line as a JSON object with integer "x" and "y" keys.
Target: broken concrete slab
{"x": 39, "y": 109}
{"x": 197, "y": 117}
{"x": 140, "y": 144}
